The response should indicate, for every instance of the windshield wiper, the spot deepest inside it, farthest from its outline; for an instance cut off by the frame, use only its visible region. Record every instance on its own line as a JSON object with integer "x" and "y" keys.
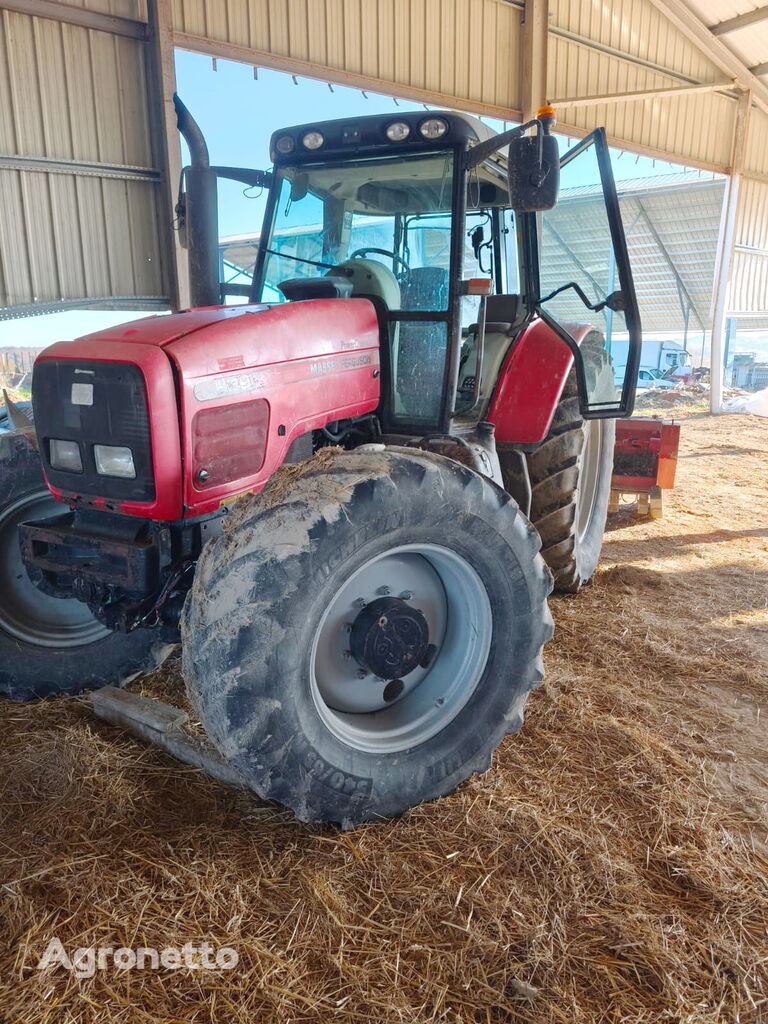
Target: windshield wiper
{"x": 299, "y": 259}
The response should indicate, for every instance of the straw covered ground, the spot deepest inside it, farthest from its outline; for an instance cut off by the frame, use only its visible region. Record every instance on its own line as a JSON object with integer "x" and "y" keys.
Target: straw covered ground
{"x": 612, "y": 866}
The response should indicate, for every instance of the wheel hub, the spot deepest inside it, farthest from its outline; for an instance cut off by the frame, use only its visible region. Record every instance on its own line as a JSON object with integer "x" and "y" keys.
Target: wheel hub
{"x": 441, "y": 616}
{"x": 389, "y": 638}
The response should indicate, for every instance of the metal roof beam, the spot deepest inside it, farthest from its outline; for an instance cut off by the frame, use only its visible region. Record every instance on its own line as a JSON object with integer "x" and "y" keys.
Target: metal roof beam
{"x": 612, "y": 51}
{"x": 740, "y": 21}
{"x": 81, "y": 16}
{"x": 646, "y": 94}
{"x": 599, "y": 290}
{"x": 694, "y": 29}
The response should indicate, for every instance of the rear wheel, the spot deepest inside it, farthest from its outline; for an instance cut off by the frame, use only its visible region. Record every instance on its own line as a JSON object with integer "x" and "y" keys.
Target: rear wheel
{"x": 48, "y": 645}
{"x": 570, "y": 475}
{"x": 364, "y": 647}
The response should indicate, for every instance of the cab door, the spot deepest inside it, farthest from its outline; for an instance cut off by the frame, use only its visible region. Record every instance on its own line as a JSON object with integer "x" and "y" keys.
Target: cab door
{"x": 585, "y": 279}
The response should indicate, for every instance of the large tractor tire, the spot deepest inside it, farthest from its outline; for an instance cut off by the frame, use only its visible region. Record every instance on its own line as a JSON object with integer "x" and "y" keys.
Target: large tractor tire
{"x": 49, "y": 645}
{"x": 366, "y": 632}
{"x": 570, "y": 475}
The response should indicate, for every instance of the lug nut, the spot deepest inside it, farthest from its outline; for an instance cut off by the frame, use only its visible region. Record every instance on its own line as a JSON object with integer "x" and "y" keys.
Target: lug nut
{"x": 384, "y": 591}
{"x": 406, "y": 595}
{"x": 361, "y": 673}
{"x": 347, "y": 654}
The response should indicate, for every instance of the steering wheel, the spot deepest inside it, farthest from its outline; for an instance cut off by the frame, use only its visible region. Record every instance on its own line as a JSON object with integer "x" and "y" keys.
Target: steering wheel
{"x": 359, "y": 253}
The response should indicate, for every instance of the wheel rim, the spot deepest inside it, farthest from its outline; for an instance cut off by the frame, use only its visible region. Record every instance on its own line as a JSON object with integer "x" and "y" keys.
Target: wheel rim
{"x": 26, "y": 613}
{"x": 589, "y": 476}
{"x": 452, "y": 598}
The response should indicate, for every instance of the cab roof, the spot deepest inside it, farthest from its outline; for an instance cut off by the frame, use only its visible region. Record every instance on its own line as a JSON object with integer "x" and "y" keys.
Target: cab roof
{"x": 362, "y": 135}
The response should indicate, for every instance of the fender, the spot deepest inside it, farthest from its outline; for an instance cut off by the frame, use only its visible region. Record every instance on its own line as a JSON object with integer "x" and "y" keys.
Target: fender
{"x": 531, "y": 381}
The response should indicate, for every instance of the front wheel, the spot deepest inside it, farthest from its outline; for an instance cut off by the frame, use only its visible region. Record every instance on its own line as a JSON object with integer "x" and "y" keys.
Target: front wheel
{"x": 363, "y": 641}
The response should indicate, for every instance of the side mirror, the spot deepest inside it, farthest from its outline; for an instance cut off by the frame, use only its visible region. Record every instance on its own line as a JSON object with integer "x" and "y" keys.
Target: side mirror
{"x": 533, "y": 173}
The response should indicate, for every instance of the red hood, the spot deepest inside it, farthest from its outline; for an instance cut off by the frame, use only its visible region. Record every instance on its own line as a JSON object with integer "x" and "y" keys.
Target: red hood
{"x": 162, "y": 330}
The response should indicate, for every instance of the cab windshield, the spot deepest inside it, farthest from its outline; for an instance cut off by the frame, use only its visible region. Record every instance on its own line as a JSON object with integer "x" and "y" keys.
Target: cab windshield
{"x": 394, "y": 213}
{"x": 323, "y": 217}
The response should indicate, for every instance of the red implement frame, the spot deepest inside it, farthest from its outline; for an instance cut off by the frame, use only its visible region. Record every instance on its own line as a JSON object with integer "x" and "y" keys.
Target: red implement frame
{"x": 644, "y": 461}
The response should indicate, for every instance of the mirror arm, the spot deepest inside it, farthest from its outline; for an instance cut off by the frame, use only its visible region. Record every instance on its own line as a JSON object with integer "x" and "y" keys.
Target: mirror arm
{"x": 253, "y": 178}
{"x": 483, "y": 150}
{"x": 611, "y": 301}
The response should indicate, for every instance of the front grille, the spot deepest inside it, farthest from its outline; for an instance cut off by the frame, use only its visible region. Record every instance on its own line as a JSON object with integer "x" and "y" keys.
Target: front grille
{"x": 92, "y": 403}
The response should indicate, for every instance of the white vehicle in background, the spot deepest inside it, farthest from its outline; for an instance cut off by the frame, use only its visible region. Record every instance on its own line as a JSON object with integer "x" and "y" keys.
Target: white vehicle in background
{"x": 666, "y": 360}
{"x": 655, "y": 379}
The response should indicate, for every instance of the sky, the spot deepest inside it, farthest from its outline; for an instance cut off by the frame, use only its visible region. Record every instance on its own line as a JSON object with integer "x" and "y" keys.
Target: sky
{"x": 238, "y": 109}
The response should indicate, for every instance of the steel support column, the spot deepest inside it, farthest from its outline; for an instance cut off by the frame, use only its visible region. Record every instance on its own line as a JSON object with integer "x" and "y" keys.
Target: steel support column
{"x": 533, "y": 57}
{"x": 166, "y": 134}
{"x": 725, "y": 244}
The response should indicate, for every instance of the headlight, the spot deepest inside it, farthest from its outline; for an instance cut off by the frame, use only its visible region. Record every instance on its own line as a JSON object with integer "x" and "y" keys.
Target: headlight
{"x": 113, "y": 460}
{"x": 285, "y": 144}
{"x": 398, "y": 131}
{"x": 433, "y": 128}
{"x": 65, "y": 455}
{"x": 312, "y": 140}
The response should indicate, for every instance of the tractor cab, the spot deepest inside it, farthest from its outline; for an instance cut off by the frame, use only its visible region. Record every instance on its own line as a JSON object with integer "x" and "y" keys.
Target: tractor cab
{"x": 453, "y": 233}
{"x": 389, "y": 216}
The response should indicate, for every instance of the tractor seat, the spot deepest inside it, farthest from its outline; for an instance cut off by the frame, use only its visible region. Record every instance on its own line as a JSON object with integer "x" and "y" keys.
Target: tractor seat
{"x": 426, "y": 288}
{"x": 369, "y": 278}
{"x": 504, "y": 316}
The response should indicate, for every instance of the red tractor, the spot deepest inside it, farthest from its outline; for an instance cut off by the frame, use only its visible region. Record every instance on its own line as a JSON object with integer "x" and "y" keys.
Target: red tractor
{"x": 350, "y": 496}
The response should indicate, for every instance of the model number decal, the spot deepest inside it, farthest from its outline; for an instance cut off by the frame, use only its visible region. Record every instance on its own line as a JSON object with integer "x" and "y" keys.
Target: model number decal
{"x": 276, "y": 376}
{"x": 223, "y": 387}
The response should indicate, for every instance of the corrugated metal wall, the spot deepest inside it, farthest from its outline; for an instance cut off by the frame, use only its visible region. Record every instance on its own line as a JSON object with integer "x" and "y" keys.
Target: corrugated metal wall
{"x": 80, "y": 197}
{"x": 464, "y": 50}
{"x": 748, "y": 291}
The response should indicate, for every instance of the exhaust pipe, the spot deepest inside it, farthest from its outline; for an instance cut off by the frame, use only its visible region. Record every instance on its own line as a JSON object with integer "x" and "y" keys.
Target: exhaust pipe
{"x": 200, "y": 213}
